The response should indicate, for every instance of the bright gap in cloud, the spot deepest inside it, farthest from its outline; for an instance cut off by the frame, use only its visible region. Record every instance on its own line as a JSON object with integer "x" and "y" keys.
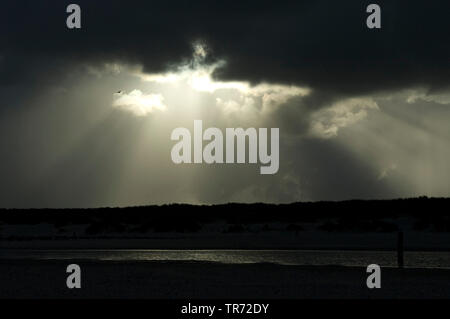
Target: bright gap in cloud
{"x": 197, "y": 75}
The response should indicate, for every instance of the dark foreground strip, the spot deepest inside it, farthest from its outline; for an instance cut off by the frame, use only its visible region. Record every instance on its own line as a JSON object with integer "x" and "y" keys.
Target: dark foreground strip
{"x": 246, "y": 309}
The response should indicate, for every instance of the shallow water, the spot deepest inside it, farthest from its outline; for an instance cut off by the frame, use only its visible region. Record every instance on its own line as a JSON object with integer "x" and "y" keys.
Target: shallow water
{"x": 284, "y": 257}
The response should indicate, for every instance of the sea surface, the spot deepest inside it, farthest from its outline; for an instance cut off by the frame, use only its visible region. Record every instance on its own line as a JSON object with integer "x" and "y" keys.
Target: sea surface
{"x": 416, "y": 259}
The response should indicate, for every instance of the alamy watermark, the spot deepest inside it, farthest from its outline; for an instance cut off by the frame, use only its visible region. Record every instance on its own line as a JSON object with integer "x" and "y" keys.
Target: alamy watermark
{"x": 235, "y": 141}
{"x": 73, "y": 21}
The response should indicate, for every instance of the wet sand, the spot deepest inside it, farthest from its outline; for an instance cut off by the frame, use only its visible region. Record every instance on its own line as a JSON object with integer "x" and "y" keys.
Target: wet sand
{"x": 187, "y": 280}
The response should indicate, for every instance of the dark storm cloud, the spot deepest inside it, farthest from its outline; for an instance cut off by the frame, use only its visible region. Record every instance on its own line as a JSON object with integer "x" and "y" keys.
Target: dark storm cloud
{"x": 323, "y": 44}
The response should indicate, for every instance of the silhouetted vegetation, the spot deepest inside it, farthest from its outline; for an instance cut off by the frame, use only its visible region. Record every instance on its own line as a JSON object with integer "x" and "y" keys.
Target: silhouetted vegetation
{"x": 430, "y": 214}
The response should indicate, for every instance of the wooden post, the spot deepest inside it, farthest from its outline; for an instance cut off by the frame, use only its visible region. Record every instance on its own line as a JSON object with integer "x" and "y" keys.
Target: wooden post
{"x": 400, "y": 249}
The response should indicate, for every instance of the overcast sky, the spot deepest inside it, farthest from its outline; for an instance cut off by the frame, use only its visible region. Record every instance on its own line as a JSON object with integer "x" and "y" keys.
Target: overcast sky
{"x": 362, "y": 113}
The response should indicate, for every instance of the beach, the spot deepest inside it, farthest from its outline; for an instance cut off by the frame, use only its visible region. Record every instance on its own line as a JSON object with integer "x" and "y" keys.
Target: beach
{"x": 190, "y": 280}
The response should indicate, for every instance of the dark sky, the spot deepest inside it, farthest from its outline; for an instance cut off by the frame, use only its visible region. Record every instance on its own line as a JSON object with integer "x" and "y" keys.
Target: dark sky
{"x": 362, "y": 113}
